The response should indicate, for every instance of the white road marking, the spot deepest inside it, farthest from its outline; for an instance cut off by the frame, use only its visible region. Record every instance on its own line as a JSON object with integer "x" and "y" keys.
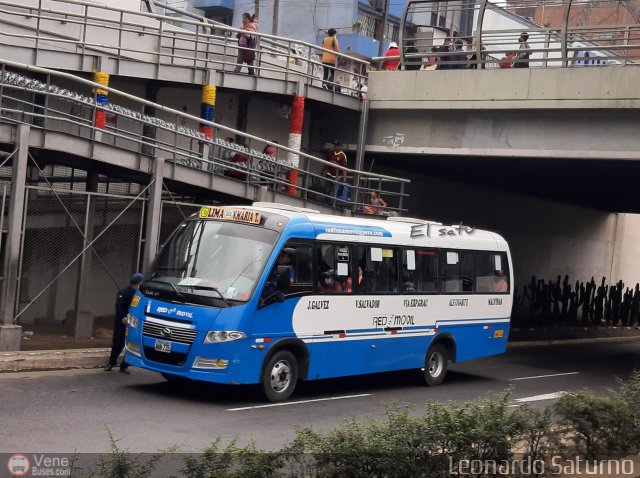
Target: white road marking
{"x": 536, "y": 398}
{"x": 544, "y": 376}
{"x": 283, "y": 404}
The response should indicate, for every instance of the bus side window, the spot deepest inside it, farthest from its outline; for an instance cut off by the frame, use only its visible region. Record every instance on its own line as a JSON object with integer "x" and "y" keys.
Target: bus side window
{"x": 427, "y": 267}
{"x": 458, "y": 274}
{"x": 303, "y": 263}
{"x": 492, "y": 271}
{"x": 383, "y": 269}
{"x": 467, "y": 275}
{"x": 332, "y": 276}
{"x": 409, "y": 272}
{"x": 364, "y": 281}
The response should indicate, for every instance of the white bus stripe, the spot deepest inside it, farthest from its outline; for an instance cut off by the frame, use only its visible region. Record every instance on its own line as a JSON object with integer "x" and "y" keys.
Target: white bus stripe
{"x": 284, "y": 404}
{"x": 544, "y": 376}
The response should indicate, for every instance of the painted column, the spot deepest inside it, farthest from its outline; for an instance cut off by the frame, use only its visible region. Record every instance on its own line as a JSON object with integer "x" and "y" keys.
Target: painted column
{"x": 207, "y": 108}
{"x": 295, "y": 141}
{"x": 102, "y": 99}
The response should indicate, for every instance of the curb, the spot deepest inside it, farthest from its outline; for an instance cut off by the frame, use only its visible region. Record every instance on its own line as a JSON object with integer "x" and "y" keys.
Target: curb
{"x": 97, "y": 358}
{"x": 591, "y": 340}
{"x": 53, "y": 359}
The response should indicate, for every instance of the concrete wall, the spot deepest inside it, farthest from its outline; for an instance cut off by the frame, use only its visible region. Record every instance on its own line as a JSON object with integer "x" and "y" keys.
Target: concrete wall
{"x": 546, "y": 238}
{"x": 559, "y": 88}
{"x": 626, "y": 252}
{"x": 563, "y": 112}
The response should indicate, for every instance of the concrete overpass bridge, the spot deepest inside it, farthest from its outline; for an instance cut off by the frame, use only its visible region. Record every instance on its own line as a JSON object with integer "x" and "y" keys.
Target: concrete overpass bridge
{"x": 82, "y": 36}
{"x": 546, "y": 154}
{"x": 579, "y": 117}
{"x": 101, "y": 199}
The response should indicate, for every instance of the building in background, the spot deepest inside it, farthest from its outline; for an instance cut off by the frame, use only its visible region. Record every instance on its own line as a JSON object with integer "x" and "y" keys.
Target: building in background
{"x": 359, "y": 23}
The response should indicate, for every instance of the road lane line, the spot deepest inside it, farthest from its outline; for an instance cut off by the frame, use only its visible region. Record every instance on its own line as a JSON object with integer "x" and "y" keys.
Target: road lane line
{"x": 536, "y": 398}
{"x": 544, "y": 376}
{"x": 283, "y": 404}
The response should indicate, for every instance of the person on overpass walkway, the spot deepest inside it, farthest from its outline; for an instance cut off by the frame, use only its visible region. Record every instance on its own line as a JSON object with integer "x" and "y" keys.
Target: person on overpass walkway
{"x": 247, "y": 43}
{"x": 329, "y": 60}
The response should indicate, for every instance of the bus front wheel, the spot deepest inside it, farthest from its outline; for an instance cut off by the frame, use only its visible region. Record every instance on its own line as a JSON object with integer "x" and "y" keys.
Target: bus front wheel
{"x": 435, "y": 367}
{"x": 280, "y": 376}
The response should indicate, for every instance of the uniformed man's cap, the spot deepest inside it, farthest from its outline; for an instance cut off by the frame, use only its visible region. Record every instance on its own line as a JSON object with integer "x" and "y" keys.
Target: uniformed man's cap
{"x": 136, "y": 278}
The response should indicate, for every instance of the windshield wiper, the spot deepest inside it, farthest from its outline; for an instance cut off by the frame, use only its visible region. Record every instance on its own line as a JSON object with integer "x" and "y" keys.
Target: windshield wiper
{"x": 180, "y": 294}
{"x": 214, "y": 289}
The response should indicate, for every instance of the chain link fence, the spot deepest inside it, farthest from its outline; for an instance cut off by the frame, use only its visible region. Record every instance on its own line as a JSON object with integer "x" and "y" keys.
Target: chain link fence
{"x": 65, "y": 294}
{"x": 77, "y": 250}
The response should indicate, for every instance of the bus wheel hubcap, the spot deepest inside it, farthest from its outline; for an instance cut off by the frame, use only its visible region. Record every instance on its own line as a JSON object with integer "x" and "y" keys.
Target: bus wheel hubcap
{"x": 435, "y": 364}
{"x": 280, "y": 376}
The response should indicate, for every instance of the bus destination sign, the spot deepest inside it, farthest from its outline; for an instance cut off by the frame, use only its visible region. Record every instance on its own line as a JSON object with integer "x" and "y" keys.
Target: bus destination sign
{"x": 227, "y": 214}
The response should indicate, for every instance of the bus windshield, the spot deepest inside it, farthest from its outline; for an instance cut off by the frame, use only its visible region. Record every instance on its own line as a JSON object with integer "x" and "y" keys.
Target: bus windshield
{"x": 211, "y": 263}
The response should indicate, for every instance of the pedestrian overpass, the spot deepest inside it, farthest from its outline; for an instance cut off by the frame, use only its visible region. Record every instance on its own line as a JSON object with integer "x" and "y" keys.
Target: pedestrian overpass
{"x": 100, "y": 183}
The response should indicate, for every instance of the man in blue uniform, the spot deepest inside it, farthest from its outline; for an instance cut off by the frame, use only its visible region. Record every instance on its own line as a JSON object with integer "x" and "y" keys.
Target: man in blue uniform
{"x": 123, "y": 302}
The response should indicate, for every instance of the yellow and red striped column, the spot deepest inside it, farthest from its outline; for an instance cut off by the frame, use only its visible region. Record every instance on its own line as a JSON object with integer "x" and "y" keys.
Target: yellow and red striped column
{"x": 102, "y": 78}
{"x": 295, "y": 141}
{"x": 207, "y": 108}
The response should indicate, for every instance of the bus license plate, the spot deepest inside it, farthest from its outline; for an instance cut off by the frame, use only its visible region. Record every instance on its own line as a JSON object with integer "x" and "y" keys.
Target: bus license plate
{"x": 498, "y": 334}
{"x": 163, "y": 346}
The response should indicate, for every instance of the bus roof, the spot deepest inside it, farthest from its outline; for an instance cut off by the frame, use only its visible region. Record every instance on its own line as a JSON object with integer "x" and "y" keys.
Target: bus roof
{"x": 392, "y": 230}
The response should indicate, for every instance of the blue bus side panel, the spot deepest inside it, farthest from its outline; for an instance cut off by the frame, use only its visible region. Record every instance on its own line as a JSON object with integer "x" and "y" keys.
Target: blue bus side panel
{"x": 474, "y": 341}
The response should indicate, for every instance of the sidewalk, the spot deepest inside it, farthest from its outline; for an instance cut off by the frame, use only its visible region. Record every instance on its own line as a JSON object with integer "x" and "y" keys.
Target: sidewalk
{"x": 519, "y": 337}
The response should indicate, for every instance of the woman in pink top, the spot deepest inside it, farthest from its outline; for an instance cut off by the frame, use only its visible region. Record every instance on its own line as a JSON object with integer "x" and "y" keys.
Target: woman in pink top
{"x": 247, "y": 55}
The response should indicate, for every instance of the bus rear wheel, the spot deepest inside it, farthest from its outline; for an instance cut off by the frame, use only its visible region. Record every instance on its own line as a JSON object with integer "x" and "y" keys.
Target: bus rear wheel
{"x": 280, "y": 376}
{"x": 435, "y": 367}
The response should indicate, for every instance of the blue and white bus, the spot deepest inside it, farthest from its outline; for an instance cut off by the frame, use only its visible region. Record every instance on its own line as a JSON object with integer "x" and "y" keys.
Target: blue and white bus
{"x": 271, "y": 294}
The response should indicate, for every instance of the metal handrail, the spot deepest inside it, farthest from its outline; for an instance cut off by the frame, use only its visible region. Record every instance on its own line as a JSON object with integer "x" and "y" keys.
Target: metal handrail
{"x": 184, "y": 145}
{"x": 548, "y": 47}
{"x": 154, "y": 25}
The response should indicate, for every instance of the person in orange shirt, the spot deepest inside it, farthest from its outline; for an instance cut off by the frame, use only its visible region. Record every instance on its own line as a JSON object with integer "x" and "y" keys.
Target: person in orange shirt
{"x": 392, "y": 51}
{"x": 329, "y": 60}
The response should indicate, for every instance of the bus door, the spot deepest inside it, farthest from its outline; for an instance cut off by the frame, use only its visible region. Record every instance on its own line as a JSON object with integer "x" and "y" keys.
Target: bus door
{"x": 285, "y": 314}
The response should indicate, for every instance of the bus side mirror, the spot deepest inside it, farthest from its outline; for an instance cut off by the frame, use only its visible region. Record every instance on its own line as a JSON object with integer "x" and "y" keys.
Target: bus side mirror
{"x": 284, "y": 277}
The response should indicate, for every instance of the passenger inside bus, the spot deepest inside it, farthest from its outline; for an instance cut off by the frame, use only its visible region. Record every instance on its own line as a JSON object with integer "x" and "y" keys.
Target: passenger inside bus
{"x": 347, "y": 285}
{"x": 499, "y": 282}
{"x": 328, "y": 282}
{"x": 408, "y": 285}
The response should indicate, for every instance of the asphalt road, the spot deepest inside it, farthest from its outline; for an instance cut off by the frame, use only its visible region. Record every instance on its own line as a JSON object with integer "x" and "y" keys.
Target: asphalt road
{"x": 73, "y": 410}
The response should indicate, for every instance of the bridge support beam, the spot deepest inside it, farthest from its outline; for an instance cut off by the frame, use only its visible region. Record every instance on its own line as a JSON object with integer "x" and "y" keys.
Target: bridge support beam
{"x": 362, "y": 138}
{"x": 154, "y": 212}
{"x": 10, "y": 333}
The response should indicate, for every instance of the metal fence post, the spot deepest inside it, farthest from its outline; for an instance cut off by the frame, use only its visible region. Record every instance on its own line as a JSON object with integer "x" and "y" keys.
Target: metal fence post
{"x": 154, "y": 208}
{"x": 84, "y": 316}
{"x": 9, "y": 332}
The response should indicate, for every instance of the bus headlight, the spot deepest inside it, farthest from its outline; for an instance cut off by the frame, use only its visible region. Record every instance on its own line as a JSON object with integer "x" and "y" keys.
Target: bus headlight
{"x": 217, "y": 336}
{"x": 132, "y": 321}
